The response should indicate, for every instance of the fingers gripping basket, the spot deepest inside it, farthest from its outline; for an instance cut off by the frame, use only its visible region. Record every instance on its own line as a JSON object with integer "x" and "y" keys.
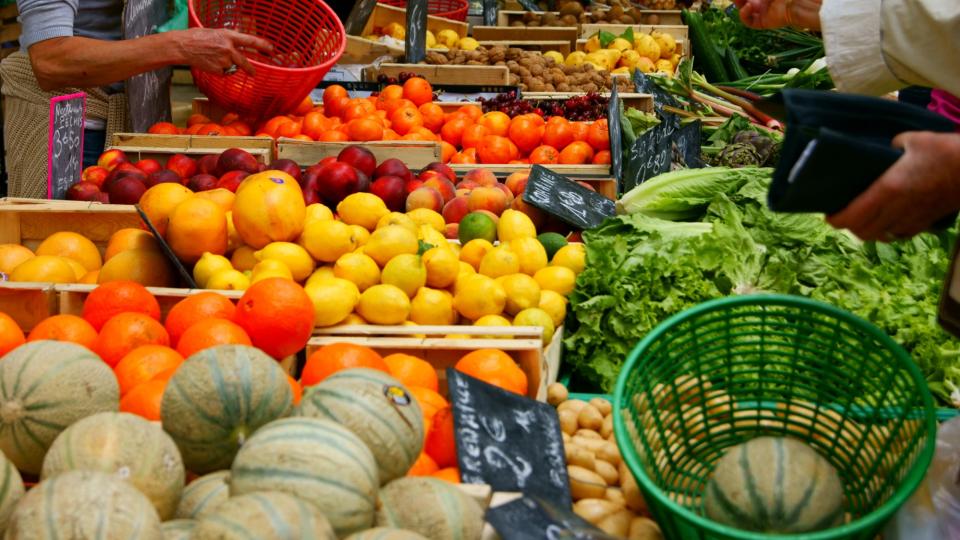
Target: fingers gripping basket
{"x": 733, "y": 369}
{"x": 308, "y": 39}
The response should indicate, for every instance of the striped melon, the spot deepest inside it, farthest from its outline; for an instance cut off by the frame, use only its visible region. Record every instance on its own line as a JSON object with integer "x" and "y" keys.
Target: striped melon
{"x": 266, "y": 515}
{"x": 217, "y": 398}
{"x": 774, "y": 485}
{"x": 11, "y": 490}
{"x": 203, "y": 495}
{"x": 318, "y": 460}
{"x": 375, "y": 407}
{"x": 124, "y": 445}
{"x": 431, "y": 507}
{"x": 178, "y": 529}
{"x": 84, "y": 504}
{"x": 386, "y": 533}
{"x": 44, "y": 387}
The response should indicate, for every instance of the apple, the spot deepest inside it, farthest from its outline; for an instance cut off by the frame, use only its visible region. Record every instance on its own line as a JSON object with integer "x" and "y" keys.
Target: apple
{"x": 110, "y": 159}
{"x": 310, "y": 184}
{"x": 288, "y": 166}
{"x": 148, "y": 166}
{"x": 119, "y": 173}
{"x": 327, "y": 160}
{"x": 83, "y": 191}
{"x": 126, "y": 190}
{"x": 393, "y": 167}
{"x": 236, "y": 159}
{"x": 391, "y": 190}
{"x": 184, "y": 166}
{"x": 360, "y": 158}
{"x": 96, "y": 174}
{"x": 442, "y": 169}
{"x": 161, "y": 177}
{"x": 208, "y": 164}
{"x": 202, "y": 182}
{"x": 337, "y": 180}
{"x": 103, "y": 198}
{"x": 231, "y": 180}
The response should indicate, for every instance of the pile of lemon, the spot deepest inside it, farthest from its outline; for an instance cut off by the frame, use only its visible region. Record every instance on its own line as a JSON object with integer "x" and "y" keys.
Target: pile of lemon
{"x": 368, "y": 265}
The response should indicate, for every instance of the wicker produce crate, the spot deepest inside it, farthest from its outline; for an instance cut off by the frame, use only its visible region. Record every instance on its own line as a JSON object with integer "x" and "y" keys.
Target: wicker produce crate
{"x": 416, "y": 154}
{"x": 139, "y": 146}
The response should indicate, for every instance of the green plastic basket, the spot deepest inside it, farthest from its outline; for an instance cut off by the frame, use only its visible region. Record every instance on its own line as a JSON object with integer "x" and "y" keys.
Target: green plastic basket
{"x": 737, "y": 368}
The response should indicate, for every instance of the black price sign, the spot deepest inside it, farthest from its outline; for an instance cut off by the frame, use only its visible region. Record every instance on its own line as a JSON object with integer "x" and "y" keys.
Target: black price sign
{"x": 490, "y": 12}
{"x": 614, "y": 112}
{"x": 171, "y": 256}
{"x": 649, "y": 156}
{"x": 661, "y": 97}
{"x": 529, "y": 518}
{"x": 508, "y": 441}
{"x": 358, "y": 17}
{"x": 687, "y": 141}
{"x": 574, "y": 204}
{"x": 65, "y": 144}
{"x": 530, "y": 6}
{"x": 148, "y": 94}
{"x": 416, "y": 40}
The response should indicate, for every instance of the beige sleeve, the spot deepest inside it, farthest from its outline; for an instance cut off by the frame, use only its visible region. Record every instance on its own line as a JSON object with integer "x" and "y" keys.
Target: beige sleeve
{"x": 877, "y": 46}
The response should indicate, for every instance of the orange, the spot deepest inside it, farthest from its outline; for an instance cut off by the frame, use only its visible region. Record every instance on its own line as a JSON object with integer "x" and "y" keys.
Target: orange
{"x": 390, "y": 135}
{"x": 441, "y": 445}
{"x": 449, "y": 474}
{"x": 412, "y": 371}
{"x": 195, "y": 226}
{"x": 358, "y": 108}
{"x": 295, "y": 389}
{"x": 495, "y": 367}
{"x": 11, "y": 336}
{"x": 430, "y": 401}
{"x": 580, "y": 130}
{"x": 576, "y": 153}
{"x": 544, "y": 154}
{"x": 305, "y": 106}
{"x": 211, "y": 129}
{"x": 130, "y": 238}
{"x": 432, "y": 116}
{"x": 65, "y": 328}
{"x": 314, "y": 124}
{"x": 196, "y": 308}
{"x": 466, "y": 157}
{"x": 405, "y": 119}
{"x": 525, "y": 133}
{"x": 452, "y": 130}
{"x": 364, "y": 129}
{"x": 230, "y": 117}
{"x": 558, "y": 134}
{"x": 393, "y": 105}
{"x": 145, "y": 399}
{"x": 197, "y": 119}
{"x": 601, "y": 158}
{"x": 599, "y": 135}
{"x": 423, "y": 466}
{"x": 496, "y": 122}
{"x": 277, "y": 315}
{"x": 290, "y": 129}
{"x": 210, "y": 333}
{"x": 125, "y": 332}
{"x": 157, "y": 203}
{"x": 447, "y": 151}
{"x": 472, "y": 111}
{"x": 335, "y": 106}
{"x": 425, "y": 133}
{"x": 118, "y": 297}
{"x": 332, "y": 96}
{"x": 496, "y": 149}
{"x": 473, "y": 135}
{"x": 242, "y": 128}
{"x": 418, "y": 90}
{"x": 389, "y": 92}
{"x": 144, "y": 364}
{"x": 335, "y": 357}
{"x": 333, "y": 136}
{"x": 164, "y": 128}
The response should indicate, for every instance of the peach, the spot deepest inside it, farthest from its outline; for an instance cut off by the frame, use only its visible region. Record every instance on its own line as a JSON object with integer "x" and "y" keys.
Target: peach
{"x": 467, "y": 185}
{"x": 110, "y": 159}
{"x": 535, "y": 214}
{"x": 119, "y": 173}
{"x": 455, "y": 209}
{"x": 452, "y": 231}
{"x": 517, "y": 182}
{"x": 462, "y": 192}
{"x": 185, "y": 166}
{"x": 148, "y": 166}
{"x": 161, "y": 177}
{"x": 443, "y": 186}
{"x": 393, "y": 167}
{"x": 506, "y": 191}
{"x": 441, "y": 168}
{"x": 425, "y": 197}
{"x": 231, "y": 180}
{"x": 391, "y": 190}
{"x": 95, "y": 174}
{"x": 207, "y": 164}
{"x": 412, "y": 185}
{"x": 236, "y": 159}
{"x": 126, "y": 190}
{"x": 482, "y": 177}
{"x": 360, "y": 158}
{"x": 487, "y": 198}
{"x": 83, "y": 191}
{"x": 202, "y": 182}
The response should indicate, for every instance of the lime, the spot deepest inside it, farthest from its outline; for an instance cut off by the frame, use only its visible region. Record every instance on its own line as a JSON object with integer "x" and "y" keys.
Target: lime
{"x": 477, "y": 225}
{"x": 552, "y": 242}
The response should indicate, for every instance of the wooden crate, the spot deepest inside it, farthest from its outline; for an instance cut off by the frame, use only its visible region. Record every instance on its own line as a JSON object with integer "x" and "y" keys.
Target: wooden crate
{"x": 360, "y": 50}
{"x": 30, "y": 221}
{"x": 524, "y": 345}
{"x": 445, "y": 74}
{"x": 665, "y": 16}
{"x": 416, "y": 154}
{"x": 544, "y": 33}
{"x": 28, "y": 303}
{"x": 572, "y": 171}
{"x": 160, "y": 147}
{"x": 679, "y": 33}
{"x": 561, "y": 46}
{"x": 643, "y": 102}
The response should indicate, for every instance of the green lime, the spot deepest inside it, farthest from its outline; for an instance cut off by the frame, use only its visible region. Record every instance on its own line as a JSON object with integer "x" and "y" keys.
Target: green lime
{"x": 552, "y": 242}
{"x": 477, "y": 225}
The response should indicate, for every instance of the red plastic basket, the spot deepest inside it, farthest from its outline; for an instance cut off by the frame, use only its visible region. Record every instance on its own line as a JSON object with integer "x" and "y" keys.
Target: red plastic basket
{"x": 308, "y": 39}
{"x": 448, "y": 9}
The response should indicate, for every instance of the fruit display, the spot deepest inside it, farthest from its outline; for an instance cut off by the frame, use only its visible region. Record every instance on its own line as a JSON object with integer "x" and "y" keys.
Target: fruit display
{"x": 445, "y": 39}
{"x": 583, "y": 108}
{"x": 606, "y": 11}
{"x": 648, "y": 53}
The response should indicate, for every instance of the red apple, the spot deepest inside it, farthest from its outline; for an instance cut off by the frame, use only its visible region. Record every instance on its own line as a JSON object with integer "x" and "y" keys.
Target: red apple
{"x": 327, "y": 160}
{"x": 337, "y": 180}
{"x": 311, "y": 197}
{"x": 393, "y": 167}
{"x": 261, "y": 167}
{"x": 288, "y": 166}
{"x": 468, "y": 185}
{"x": 391, "y": 190}
{"x": 161, "y": 177}
{"x": 455, "y": 209}
{"x": 126, "y": 190}
{"x": 119, "y": 173}
{"x": 236, "y": 159}
{"x": 127, "y": 166}
{"x": 442, "y": 169}
{"x": 231, "y": 180}
{"x": 110, "y": 159}
{"x": 360, "y": 158}
{"x": 208, "y": 164}
{"x": 184, "y": 166}
{"x": 310, "y": 184}
{"x": 103, "y": 198}
{"x": 412, "y": 185}
{"x": 97, "y": 175}
{"x": 202, "y": 182}
{"x": 149, "y": 166}
{"x": 83, "y": 191}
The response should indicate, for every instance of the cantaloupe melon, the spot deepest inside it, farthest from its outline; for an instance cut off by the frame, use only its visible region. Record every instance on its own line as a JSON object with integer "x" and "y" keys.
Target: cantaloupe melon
{"x": 318, "y": 460}
{"x": 375, "y": 407}
{"x": 431, "y": 507}
{"x": 84, "y": 504}
{"x": 203, "y": 495}
{"x": 217, "y": 398}
{"x": 386, "y": 533}
{"x": 266, "y": 515}
{"x": 178, "y": 529}
{"x": 11, "y": 490}
{"x": 124, "y": 445}
{"x": 774, "y": 485}
{"x": 48, "y": 385}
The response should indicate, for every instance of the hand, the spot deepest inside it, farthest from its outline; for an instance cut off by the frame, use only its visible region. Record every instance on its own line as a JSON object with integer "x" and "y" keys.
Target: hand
{"x": 214, "y": 50}
{"x": 919, "y": 189}
{"x": 778, "y": 13}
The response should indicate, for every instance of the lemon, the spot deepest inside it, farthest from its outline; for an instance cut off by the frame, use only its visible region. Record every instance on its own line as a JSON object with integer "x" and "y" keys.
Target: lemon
{"x": 522, "y": 292}
{"x": 390, "y": 241}
{"x": 499, "y": 261}
{"x": 77, "y": 268}
{"x": 362, "y": 235}
{"x": 473, "y": 252}
{"x": 431, "y": 40}
{"x": 432, "y": 306}
{"x": 465, "y": 270}
{"x": 407, "y": 272}
{"x": 297, "y": 260}
{"x": 555, "y": 305}
{"x": 243, "y": 258}
{"x": 515, "y": 224}
{"x": 396, "y": 218}
{"x": 429, "y": 235}
{"x": 327, "y": 240}
{"x": 572, "y": 256}
{"x": 454, "y": 247}
{"x": 353, "y": 319}
{"x": 359, "y": 269}
{"x": 363, "y": 209}
{"x": 442, "y": 267}
{"x": 536, "y": 317}
{"x": 333, "y": 300}
{"x": 229, "y": 279}
{"x": 384, "y": 304}
{"x": 531, "y": 253}
{"x": 493, "y": 320}
{"x": 233, "y": 237}
{"x": 208, "y": 265}
{"x": 556, "y": 278}
{"x": 317, "y": 212}
{"x": 468, "y": 44}
{"x": 478, "y": 295}
{"x": 426, "y": 216}
{"x": 320, "y": 274}
{"x": 269, "y": 268}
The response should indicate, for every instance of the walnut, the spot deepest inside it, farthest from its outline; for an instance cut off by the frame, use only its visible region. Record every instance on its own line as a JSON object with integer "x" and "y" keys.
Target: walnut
{"x": 590, "y": 87}
{"x": 537, "y": 70}
{"x": 436, "y": 58}
{"x": 549, "y": 88}
{"x": 500, "y": 63}
{"x": 524, "y": 72}
{"x": 564, "y": 87}
{"x": 512, "y": 64}
{"x": 475, "y": 63}
{"x": 497, "y": 56}
{"x": 537, "y": 86}
{"x": 514, "y": 80}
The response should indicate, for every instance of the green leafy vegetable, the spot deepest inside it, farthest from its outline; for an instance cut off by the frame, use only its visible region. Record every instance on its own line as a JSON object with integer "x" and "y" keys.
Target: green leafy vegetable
{"x": 684, "y": 194}
{"x": 634, "y": 122}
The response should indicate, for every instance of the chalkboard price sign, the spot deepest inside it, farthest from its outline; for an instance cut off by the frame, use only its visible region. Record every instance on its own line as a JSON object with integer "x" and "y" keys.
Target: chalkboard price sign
{"x": 490, "y": 12}
{"x": 507, "y": 441}
{"x": 416, "y": 38}
{"x": 65, "y": 147}
{"x": 148, "y": 94}
{"x": 566, "y": 199}
{"x": 530, "y": 518}
{"x": 687, "y": 141}
{"x": 528, "y": 5}
{"x": 171, "y": 256}
{"x": 614, "y": 112}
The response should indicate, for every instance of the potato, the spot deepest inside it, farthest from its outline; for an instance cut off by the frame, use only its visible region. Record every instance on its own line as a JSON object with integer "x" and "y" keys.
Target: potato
{"x": 585, "y": 484}
{"x": 581, "y": 457}
{"x": 590, "y": 418}
{"x": 610, "y": 453}
{"x": 602, "y": 405}
{"x": 566, "y": 438}
{"x": 587, "y": 434}
{"x": 557, "y": 394}
{"x": 595, "y": 509}
{"x": 617, "y": 524}
{"x": 568, "y": 421}
{"x": 572, "y": 404}
{"x": 643, "y": 528}
{"x": 607, "y": 471}
{"x": 594, "y": 445}
{"x": 630, "y": 490}
{"x": 606, "y": 430}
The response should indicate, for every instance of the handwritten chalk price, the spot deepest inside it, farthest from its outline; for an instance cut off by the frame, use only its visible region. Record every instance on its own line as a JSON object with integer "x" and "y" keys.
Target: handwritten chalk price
{"x": 65, "y": 143}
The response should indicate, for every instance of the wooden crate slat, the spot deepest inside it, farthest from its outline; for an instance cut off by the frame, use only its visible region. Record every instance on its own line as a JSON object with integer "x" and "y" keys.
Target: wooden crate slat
{"x": 537, "y": 33}
{"x": 560, "y": 46}
{"x": 161, "y": 147}
{"x": 28, "y": 303}
{"x": 445, "y": 74}
{"x": 31, "y": 223}
{"x": 416, "y": 154}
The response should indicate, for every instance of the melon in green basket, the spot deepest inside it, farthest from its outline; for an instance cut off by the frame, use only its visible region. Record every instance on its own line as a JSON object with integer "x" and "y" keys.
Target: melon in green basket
{"x": 775, "y": 485}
